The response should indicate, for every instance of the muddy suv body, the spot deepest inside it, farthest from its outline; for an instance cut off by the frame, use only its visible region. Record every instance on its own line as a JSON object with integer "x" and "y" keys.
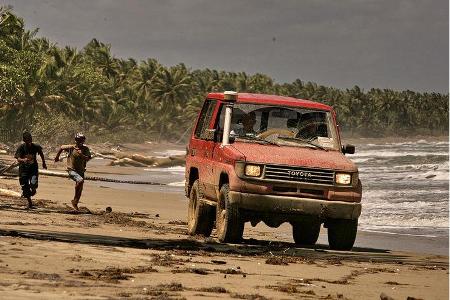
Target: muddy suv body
{"x": 274, "y": 159}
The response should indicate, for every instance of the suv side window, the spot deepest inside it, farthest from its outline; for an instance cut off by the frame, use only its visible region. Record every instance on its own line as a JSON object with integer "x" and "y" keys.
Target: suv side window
{"x": 205, "y": 118}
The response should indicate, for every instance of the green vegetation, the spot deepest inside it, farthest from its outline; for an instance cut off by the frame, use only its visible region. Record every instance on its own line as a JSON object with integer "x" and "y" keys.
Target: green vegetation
{"x": 111, "y": 98}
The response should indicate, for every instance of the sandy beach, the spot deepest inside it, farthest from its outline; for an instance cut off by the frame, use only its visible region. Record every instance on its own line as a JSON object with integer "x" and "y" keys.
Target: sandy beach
{"x": 141, "y": 251}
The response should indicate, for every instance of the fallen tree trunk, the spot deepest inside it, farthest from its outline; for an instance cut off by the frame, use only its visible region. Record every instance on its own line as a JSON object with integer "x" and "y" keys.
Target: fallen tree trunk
{"x": 148, "y": 160}
{"x": 171, "y": 161}
{"x": 104, "y": 156}
{"x": 127, "y": 161}
{"x": 9, "y": 168}
{"x": 139, "y": 160}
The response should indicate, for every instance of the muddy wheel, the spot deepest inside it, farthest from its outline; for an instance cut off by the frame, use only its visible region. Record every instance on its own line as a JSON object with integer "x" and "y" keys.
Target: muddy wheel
{"x": 342, "y": 233}
{"x": 229, "y": 224}
{"x": 200, "y": 214}
{"x": 306, "y": 231}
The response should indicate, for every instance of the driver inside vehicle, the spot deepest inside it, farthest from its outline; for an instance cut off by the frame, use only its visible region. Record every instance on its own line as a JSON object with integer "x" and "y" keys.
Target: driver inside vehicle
{"x": 248, "y": 123}
{"x": 311, "y": 126}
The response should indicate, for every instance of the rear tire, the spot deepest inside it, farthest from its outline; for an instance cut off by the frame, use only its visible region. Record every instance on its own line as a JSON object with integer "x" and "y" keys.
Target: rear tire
{"x": 200, "y": 214}
{"x": 229, "y": 225}
{"x": 306, "y": 231}
{"x": 342, "y": 233}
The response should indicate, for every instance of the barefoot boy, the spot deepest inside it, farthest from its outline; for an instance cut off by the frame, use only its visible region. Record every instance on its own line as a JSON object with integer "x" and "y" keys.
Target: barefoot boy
{"x": 28, "y": 166}
{"x": 78, "y": 156}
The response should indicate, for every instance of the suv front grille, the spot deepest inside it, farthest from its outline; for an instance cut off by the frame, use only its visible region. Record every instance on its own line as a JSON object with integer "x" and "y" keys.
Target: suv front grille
{"x": 299, "y": 174}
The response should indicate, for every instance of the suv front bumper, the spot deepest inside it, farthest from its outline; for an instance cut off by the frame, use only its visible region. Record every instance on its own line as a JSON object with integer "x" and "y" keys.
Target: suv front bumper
{"x": 325, "y": 209}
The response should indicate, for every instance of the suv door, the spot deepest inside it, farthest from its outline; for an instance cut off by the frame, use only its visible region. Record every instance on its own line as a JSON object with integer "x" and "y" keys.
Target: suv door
{"x": 201, "y": 148}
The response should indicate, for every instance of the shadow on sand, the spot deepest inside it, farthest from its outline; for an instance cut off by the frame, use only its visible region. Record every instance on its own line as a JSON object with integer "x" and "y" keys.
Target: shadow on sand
{"x": 249, "y": 247}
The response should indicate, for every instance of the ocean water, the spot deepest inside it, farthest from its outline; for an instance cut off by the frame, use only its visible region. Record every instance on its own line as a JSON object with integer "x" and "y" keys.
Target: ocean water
{"x": 405, "y": 187}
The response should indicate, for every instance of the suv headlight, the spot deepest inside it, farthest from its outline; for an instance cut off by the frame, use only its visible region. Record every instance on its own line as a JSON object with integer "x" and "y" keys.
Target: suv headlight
{"x": 343, "y": 178}
{"x": 252, "y": 170}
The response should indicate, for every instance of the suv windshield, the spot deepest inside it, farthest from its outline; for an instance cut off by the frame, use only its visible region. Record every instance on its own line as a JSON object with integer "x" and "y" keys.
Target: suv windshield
{"x": 291, "y": 126}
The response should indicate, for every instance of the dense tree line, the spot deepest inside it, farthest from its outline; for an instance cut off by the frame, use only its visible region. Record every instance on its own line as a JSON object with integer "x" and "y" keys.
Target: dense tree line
{"x": 59, "y": 90}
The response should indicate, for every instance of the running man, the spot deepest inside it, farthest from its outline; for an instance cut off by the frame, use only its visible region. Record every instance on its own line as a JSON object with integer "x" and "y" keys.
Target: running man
{"x": 78, "y": 156}
{"x": 28, "y": 166}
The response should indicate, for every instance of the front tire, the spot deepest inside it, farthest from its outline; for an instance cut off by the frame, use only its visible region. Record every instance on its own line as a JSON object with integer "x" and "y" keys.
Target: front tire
{"x": 306, "y": 231}
{"x": 200, "y": 214}
{"x": 342, "y": 233}
{"x": 229, "y": 225}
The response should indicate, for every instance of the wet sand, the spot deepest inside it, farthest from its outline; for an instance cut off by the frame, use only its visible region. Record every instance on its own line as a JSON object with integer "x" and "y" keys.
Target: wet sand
{"x": 141, "y": 251}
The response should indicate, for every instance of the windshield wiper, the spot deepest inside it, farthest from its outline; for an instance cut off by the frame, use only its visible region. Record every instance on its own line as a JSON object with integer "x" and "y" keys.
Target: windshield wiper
{"x": 302, "y": 141}
{"x": 254, "y": 138}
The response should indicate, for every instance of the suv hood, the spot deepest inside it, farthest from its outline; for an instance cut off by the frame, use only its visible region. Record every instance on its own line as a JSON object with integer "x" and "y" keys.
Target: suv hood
{"x": 294, "y": 156}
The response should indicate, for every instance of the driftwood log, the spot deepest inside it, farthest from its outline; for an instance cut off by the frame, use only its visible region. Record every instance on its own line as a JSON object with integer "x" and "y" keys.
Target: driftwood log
{"x": 6, "y": 169}
{"x": 126, "y": 162}
{"x": 137, "y": 160}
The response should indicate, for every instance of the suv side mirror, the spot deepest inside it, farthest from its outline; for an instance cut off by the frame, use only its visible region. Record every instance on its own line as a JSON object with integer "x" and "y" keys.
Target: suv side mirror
{"x": 350, "y": 149}
{"x": 209, "y": 134}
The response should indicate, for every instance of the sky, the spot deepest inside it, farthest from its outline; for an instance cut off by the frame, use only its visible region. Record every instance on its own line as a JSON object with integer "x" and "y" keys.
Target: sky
{"x": 401, "y": 44}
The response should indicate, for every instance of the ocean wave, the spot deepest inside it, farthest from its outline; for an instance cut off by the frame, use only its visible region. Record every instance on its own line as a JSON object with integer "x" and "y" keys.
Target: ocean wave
{"x": 387, "y": 231}
{"x": 405, "y": 208}
{"x": 382, "y": 154}
{"x": 422, "y": 167}
{"x": 405, "y": 223}
{"x": 181, "y": 183}
{"x": 177, "y": 170}
{"x": 416, "y": 144}
{"x": 390, "y": 194}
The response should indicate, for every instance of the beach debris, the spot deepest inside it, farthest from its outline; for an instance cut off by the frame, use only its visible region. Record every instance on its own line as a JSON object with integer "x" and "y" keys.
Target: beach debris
{"x": 214, "y": 289}
{"x": 394, "y": 283}
{"x": 248, "y": 296}
{"x": 199, "y": 271}
{"x": 114, "y": 274}
{"x": 4, "y": 149}
{"x": 280, "y": 260}
{"x": 383, "y": 296}
{"x": 413, "y": 298}
{"x": 218, "y": 262}
{"x": 104, "y": 156}
{"x": 127, "y": 162}
{"x": 108, "y": 209}
{"x": 5, "y": 169}
{"x": 230, "y": 271}
{"x": 138, "y": 160}
{"x": 177, "y": 222}
{"x": 276, "y": 261}
{"x": 42, "y": 276}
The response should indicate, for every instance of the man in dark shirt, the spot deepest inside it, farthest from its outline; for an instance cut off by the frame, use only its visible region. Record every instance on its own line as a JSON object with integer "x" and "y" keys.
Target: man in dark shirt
{"x": 28, "y": 166}
{"x": 78, "y": 156}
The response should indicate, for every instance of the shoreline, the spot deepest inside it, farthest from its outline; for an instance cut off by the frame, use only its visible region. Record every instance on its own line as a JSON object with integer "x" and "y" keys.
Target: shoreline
{"x": 102, "y": 194}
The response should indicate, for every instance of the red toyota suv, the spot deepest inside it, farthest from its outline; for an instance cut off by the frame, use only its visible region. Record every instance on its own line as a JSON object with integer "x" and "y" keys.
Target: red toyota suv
{"x": 275, "y": 159}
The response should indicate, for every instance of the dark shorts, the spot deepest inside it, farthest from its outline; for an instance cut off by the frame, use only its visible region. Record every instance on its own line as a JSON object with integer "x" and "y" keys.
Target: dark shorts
{"x": 29, "y": 183}
{"x": 77, "y": 177}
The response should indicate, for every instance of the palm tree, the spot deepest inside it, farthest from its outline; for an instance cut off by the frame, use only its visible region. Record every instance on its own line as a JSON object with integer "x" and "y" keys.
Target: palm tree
{"x": 171, "y": 92}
